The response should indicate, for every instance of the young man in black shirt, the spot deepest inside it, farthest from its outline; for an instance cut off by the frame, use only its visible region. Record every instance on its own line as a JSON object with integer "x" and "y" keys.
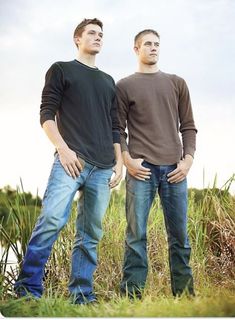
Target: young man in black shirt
{"x": 78, "y": 114}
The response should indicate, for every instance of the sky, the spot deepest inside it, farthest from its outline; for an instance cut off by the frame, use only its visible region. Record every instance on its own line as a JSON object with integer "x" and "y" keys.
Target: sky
{"x": 197, "y": 44}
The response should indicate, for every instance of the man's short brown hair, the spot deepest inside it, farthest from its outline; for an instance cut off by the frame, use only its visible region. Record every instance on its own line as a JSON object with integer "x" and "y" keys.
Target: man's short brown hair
{"x": 143, "y": 33}
{"x": 81, "y": 26}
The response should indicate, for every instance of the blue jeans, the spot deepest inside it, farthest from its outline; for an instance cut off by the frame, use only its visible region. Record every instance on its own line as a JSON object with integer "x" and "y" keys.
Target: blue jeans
{"x": 140, "y": 195}
{"x": 93, "y": 184}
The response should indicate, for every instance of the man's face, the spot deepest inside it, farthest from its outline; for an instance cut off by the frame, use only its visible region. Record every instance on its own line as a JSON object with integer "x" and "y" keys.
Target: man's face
{"x": 90, "y": 41}
{"x": 147, "y": 49}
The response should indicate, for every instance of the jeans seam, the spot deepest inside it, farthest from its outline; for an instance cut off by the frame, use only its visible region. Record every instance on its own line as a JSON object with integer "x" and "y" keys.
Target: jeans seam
{"x": 169, "y": 248}
{"x": 125, "y": 281}
{"x": 90, "y": 173}
{"x": 82, "y": 238}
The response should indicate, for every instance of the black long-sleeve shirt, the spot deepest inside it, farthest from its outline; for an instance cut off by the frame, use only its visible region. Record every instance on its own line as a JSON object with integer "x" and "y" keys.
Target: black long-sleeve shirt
{"x": 83, "y": 101}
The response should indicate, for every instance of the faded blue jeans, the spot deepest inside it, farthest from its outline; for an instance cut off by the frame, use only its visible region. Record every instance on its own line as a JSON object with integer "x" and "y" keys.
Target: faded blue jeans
{"x": 93, "y": 183}
{"x": 140, "y": 195}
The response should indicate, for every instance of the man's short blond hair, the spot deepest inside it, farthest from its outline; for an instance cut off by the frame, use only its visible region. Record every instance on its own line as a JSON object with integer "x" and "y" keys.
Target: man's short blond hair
{"x": 143, "y": 33}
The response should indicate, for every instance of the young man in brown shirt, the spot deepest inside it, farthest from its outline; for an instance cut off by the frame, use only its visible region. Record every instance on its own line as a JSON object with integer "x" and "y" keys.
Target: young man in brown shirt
{"x": 155, "y": 107}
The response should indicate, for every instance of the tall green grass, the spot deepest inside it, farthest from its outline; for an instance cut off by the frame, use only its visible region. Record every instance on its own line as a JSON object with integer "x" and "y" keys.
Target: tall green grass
{"x": 14, "y": 235}
{"x": 211, "y": 221}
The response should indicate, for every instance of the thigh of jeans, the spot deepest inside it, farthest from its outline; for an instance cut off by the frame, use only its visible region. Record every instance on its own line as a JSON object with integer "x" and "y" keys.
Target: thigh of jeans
{"x": 175, "y": 201}
{"x": 139, "y": 198}
{"x": 60, "y": 189}
{"x": 96, "y": 194}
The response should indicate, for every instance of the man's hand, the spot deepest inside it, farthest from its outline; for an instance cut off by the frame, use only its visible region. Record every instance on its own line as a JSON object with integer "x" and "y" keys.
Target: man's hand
{"x": 135, "y": 168}
{"x": 68, "y": 157}
{"x": 180, "y": 173}
{"x": 69, "y": 161}
{"x": 117, "y": 169}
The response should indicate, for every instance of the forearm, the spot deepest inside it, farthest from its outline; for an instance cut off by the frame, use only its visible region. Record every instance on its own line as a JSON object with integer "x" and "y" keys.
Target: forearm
{"x": 53, "y": 134}
{"x": 126, "y": 157}
{"x": 117, "y": 152}
{"x": 189, "y": 142}
{"x": 188, "y": 156}
{"x": 118, "y": 167}
{"x": 188, "y": 160}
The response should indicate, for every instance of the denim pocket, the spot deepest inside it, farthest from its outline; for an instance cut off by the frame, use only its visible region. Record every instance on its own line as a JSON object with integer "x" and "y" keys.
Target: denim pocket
{"x": 171, "y": 168}
{"x": 165, "y": 170}
{"x": 111, "y": 173}
{"x": 104, "y": 175}
{"x": 147, "y": 165}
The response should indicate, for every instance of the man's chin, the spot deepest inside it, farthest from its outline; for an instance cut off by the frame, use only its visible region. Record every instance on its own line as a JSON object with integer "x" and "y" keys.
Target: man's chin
{"x": 151, "y": 63}
{"x": 94, "y": 52}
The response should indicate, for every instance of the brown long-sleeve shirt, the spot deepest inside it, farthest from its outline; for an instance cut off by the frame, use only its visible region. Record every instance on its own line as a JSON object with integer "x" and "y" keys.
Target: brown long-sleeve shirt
{"x": 155, "y": 107}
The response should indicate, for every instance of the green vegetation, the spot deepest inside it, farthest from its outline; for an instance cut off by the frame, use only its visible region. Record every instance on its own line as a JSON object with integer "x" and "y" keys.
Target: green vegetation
{"x": 219, "y": 305}
{"x": 212, "y": 234}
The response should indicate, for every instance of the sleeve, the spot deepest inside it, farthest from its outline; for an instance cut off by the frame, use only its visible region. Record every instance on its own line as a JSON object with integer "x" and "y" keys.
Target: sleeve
{"x": 123, "y": 108}
{"x": 187, "y": 126}
{"x": 115, "y": 122}
{"x": 52, "y": 93}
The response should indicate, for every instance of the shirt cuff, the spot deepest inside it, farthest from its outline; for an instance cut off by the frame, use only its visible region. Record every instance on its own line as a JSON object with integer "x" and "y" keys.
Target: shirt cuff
{"x": 45, "y": 117}
{"x": 116, "y": 137}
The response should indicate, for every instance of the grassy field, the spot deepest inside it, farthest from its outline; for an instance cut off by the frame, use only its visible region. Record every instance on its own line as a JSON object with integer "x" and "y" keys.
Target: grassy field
{"x": 220, "y": 304}
{"x": 211, "y": 228}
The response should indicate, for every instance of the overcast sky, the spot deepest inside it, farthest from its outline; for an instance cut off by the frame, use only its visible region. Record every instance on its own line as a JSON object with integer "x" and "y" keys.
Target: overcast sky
{"x": 197, "y": 43}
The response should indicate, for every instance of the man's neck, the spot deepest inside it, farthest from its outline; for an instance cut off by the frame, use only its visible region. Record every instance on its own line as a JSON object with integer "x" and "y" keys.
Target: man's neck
{"x": 146, "y": 68}
{"x": 87, "y": 59}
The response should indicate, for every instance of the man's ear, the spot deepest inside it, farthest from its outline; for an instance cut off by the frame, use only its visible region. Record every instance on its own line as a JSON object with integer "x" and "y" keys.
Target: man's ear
{"x": 76, "y": 40}
{"x": 136, "y": 49}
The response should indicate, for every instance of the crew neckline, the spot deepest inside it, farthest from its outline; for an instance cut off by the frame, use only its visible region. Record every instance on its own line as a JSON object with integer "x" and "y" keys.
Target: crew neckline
{"x": 148, "y": 73}
{"x": 86, "y": 66}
